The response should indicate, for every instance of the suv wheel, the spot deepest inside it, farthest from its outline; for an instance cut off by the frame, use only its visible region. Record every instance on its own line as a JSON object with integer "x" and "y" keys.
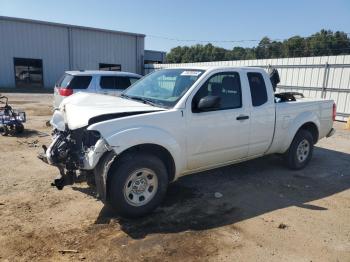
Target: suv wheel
{"x": 300, "y": 151}
{"x": 137, "y": 185}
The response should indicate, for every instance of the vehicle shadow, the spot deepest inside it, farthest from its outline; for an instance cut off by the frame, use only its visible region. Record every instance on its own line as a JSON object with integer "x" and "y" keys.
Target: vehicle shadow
{"x": 248, "y": 190}
{"x": 32, "y": 133}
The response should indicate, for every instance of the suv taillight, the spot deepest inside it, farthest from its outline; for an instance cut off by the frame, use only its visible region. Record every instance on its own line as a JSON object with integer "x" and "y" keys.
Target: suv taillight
{"x": 334, "y": 111}
{"x": 65, "y": 91}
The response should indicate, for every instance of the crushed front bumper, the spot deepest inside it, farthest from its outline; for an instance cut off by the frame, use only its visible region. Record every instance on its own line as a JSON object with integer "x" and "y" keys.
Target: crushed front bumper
{"x": 68, "y": 157}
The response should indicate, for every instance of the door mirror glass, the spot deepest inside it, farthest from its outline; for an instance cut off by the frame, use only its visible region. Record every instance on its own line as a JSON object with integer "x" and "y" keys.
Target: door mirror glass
{"x": 209, "y": 103}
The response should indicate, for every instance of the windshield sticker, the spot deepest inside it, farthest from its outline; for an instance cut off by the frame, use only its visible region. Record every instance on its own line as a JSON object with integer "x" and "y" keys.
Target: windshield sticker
{"x": 191, "y": 73}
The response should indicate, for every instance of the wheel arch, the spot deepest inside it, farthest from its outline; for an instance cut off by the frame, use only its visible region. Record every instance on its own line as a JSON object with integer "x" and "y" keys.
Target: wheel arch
{"x": 307, "y": 121}
{"x": 110, "y": 160}
{"x": 161, "y": 152}
{"x": 312, "y": 128}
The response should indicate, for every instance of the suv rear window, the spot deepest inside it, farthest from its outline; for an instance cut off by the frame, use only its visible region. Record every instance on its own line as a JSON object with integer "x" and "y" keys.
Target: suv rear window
{"x": 116, "y": 82}
{"x": 74, "y": 82}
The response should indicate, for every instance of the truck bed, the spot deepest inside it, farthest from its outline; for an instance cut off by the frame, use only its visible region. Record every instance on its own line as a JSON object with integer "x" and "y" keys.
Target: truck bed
{"x": 291, "y": 114}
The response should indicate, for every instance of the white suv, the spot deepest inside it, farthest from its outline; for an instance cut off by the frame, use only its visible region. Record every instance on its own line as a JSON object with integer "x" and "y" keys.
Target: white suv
{"x": 101, "y": 82}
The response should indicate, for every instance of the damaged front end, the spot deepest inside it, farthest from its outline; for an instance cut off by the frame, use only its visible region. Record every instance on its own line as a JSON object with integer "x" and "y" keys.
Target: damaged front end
{"x": 73, "y": 150}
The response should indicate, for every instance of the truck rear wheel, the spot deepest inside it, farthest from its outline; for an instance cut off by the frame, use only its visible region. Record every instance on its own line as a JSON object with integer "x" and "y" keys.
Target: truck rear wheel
{"x": 300, "y": 151}
{"x": 137, "y": 185}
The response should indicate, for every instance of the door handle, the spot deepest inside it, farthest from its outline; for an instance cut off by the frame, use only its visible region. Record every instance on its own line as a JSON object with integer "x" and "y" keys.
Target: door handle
{"x": 242, "y": 117}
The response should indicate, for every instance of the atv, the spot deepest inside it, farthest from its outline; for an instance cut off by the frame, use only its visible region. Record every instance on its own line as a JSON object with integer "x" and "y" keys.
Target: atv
{"x": 11, "y": 121}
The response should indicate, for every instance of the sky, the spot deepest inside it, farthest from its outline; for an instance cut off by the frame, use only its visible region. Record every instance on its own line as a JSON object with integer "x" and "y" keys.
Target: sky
{"x": 167, "y": 24}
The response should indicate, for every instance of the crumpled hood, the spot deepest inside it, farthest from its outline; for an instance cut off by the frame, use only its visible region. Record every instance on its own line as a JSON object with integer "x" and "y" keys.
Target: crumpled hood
{"x": 79, "y": 108}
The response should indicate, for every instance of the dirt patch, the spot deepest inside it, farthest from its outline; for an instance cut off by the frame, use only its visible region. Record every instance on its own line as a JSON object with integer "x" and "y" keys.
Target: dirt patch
{"x": 37, "y": 221}
{"x": 38, "y": 110}
{"x": 22, "y": 102}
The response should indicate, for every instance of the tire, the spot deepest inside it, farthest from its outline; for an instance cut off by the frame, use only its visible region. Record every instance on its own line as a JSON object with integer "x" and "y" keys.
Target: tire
{"x": 300, "y": 151}
{"x": 19, "y": 128}
{"x": 4, "y": 131}
{"x": 137, "y": 185}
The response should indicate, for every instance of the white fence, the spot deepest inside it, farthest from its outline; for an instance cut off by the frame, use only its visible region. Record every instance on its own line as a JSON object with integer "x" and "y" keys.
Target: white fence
{"x": 316, "y": 77}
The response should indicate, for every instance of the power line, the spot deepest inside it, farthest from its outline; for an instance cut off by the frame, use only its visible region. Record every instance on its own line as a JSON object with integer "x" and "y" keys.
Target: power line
{"x": 224, "y": 41}
{"x": 201, "y": 41}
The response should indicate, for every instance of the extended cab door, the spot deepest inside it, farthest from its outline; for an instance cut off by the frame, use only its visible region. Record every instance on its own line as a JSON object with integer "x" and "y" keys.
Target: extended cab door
{"x": 219, "y": 135}
{"x": 262, "y": 112}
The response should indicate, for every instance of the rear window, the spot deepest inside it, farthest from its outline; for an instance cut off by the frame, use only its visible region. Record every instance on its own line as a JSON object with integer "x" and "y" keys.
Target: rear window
{"x": 257, "y": 89}
{"x": 80, "y": 82}
{"x": 74, "y": 82}
{"x": 64, "y": 80}
{"x": 116, "y": 82}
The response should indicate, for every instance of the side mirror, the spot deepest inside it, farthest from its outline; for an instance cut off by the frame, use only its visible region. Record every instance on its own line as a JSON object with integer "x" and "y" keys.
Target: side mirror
{"x": 208, "y": 103}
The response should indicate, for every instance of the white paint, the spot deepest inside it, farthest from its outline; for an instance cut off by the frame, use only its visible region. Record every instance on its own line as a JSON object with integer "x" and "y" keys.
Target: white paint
{"x": 200, "y": 141}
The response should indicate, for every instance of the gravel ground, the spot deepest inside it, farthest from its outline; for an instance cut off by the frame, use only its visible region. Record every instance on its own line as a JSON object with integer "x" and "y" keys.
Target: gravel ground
{"x": 266, "y": 212}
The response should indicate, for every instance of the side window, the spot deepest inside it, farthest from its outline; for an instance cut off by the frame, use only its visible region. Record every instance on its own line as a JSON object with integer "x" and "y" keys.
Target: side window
{"x": 227, "y": 86}
{"x": 80, "y": 82}
{"x": 108, "y": 82}
{"x": 115, "y": 82}
{"x": 123, "y": 82}
{"x": 257, "y": 88}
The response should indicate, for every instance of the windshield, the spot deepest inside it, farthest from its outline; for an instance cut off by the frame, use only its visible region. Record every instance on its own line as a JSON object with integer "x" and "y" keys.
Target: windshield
{"x": 164, "y": 87}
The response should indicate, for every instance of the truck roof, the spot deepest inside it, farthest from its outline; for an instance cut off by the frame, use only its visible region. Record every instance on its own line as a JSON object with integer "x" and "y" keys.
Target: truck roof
{"x": 211, "y": 68}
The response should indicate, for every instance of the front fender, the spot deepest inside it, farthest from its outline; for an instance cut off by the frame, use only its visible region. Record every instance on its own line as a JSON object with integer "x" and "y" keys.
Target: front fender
{"x": 133, "y": 136}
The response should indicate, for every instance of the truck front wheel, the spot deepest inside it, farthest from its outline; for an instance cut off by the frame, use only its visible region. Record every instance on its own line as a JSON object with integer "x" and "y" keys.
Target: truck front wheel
{"x": 137, "y": 185}
{"x": 300, "y": 151}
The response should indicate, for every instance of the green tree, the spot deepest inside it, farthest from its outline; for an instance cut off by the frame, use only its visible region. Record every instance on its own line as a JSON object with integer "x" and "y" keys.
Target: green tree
{"x": 324, "y": 42}
{"x": 263, "y": 49}
{"x": 295, "y": 47}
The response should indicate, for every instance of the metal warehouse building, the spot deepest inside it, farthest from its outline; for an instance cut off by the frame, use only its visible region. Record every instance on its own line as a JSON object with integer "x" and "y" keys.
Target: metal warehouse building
{"x": 35, "y": 53}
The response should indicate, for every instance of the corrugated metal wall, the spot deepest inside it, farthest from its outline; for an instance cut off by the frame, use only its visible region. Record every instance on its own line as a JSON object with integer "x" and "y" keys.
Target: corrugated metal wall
{"x": 28, "y": 40}
{"x": 89, "y": 48}
{"x": 316, "y": 77}
{"x": 65, "y": 47}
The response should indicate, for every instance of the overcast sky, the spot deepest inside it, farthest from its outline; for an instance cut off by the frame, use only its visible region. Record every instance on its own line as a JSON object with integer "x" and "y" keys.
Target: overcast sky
{"x": 222, "y": 20}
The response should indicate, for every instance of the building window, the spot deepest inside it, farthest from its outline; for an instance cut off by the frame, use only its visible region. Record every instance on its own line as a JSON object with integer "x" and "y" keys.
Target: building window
{"x": 28, "y": 72}
{"x": 110, "y": 67}
{"x": 152, "y": 62}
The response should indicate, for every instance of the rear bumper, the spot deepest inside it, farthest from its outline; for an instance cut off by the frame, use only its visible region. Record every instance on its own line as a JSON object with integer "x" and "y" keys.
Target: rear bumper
{"x": 331, "y": 133}
{"x": 57, "y": 100}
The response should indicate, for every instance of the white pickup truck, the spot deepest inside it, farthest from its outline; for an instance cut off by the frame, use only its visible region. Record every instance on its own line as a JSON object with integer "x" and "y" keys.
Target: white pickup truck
{"x": 176, "y": 122}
